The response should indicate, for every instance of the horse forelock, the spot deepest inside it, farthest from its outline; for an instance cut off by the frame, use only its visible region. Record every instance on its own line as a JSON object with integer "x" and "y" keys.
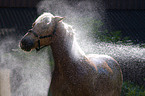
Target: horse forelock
{"x": 44, "y": 18}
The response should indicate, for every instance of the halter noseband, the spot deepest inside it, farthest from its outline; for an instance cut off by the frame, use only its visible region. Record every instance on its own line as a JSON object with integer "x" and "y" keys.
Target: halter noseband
{"x": 41, "y": 37}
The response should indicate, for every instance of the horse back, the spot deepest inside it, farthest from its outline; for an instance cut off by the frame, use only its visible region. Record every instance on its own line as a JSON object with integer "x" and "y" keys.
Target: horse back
{"x": 109, "y": 75}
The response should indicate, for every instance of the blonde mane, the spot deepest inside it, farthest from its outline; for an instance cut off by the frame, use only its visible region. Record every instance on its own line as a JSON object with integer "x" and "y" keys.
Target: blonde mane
{"x": 68, "y": 28}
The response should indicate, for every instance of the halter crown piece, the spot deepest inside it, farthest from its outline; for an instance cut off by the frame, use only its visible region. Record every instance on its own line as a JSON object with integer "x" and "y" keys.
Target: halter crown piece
{"x": 41, "y": 37}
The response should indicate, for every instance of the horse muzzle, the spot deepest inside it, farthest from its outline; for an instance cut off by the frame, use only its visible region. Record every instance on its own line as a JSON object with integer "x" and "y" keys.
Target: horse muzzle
{"x": 27, "y": 44}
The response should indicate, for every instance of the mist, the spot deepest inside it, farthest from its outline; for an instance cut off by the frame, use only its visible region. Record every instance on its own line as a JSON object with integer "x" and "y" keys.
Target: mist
{"x": 77, "y": 13}
{"x": 30, "y": 72}
{"x": 27, "y": 70}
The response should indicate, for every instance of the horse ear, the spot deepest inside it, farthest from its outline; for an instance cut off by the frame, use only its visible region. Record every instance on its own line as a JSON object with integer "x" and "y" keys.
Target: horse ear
{"x": 58, "y": 18}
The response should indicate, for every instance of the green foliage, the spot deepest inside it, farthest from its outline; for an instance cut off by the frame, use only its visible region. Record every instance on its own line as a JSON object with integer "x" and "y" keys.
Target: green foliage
{"x": 104, "y": 35}
{"x": 130, "y": 89}
{"x": 96, "y": 29}
{"x": 142, "y": 45}
{"x": 114, "y": 37}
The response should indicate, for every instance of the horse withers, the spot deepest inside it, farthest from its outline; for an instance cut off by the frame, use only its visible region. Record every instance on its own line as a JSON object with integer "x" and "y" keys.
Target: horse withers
{"x": 75, "y": 73}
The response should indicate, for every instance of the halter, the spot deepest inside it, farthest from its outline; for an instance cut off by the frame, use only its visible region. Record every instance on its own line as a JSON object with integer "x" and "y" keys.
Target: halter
{"x": 42, "y": 37}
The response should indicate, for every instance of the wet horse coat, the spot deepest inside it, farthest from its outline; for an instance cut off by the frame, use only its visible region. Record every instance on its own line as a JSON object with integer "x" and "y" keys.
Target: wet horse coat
{"x": 76, "y": 74}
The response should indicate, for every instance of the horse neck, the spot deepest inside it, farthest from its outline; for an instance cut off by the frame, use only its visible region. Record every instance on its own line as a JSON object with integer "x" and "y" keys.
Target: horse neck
{"x": 65, "y": 48}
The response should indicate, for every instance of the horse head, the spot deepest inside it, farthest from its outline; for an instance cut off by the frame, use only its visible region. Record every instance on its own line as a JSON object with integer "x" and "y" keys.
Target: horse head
{"x": 42, "y": 32}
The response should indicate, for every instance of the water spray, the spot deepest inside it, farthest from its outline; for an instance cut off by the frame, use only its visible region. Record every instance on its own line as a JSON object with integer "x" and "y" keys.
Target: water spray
{"x": 29, "y": 73}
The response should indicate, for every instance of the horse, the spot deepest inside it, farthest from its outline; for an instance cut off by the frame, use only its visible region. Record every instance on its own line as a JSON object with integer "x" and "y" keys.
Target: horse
{"x": 75, "y": 73}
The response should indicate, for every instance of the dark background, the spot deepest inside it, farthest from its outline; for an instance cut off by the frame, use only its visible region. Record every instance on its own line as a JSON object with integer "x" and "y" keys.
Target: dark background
{"x": 128, "y": 16}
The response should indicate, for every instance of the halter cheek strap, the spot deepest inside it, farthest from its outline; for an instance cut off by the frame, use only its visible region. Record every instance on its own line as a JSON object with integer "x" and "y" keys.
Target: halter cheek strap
{"x": 42, "y": 37}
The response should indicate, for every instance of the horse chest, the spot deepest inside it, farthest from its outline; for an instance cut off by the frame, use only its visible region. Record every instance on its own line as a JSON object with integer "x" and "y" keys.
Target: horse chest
{"x": 67, "y": 89}
{"x": 60, "y": 87}
{"x": 69, "y": 84}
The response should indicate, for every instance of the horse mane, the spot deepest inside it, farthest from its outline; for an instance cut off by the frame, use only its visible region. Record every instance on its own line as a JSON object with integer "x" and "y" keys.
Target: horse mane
{"x": 69, "y": 29}
{"x": 71, "y": 32}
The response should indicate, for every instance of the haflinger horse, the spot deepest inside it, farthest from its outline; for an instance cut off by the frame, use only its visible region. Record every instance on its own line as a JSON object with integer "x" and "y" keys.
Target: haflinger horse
{"x": 75, "y": 73}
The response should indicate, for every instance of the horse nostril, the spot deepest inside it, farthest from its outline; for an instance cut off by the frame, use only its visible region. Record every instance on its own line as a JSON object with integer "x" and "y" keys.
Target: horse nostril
{"x": 27, "y": 44}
